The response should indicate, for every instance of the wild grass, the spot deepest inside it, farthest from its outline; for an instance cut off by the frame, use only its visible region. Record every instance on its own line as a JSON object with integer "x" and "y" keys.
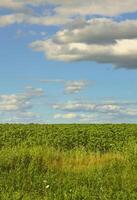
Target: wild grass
{"x": 45, "y": 172}
{"x": 75, "y": 160}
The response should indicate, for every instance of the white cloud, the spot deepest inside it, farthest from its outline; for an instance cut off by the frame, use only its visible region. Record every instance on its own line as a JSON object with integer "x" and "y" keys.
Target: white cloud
{"x": 9, "y": 19}
{"x": 100, "y": 40}
{"x": 70, "y": 86}
{"x": 75, "y": 86}
{"x": 130, "y": 112}
{"x": 76, "y": 7}
{"x": 97, "y": 31}
{"x": 34, "y": 92}
{"x": 21, "y": 117}
{"x": 105, "y": 112}
{"x": 65, "y": 116}
{"x": 106, "y": 107}
{"x": 18, "y": 107}
{"x": 14, "y": 103}
{"x": 93, "y": 7}
{"x": 62, "y": 11}
{"x": 12, "y": 4}
{"x": 87, "y": 107}
{"x": 82, "y": 117}
{"x": 18, "y": 18}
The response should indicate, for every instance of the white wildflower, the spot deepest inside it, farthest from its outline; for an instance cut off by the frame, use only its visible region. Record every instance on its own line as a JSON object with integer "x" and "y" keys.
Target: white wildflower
{"x": 47, "y": 186}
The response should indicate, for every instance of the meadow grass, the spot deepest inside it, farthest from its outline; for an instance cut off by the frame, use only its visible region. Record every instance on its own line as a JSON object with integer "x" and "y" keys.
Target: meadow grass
{"x": 45, "y": 172}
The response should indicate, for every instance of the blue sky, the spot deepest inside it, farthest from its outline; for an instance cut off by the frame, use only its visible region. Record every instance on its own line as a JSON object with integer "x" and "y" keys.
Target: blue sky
{"x": 68, "y": 62}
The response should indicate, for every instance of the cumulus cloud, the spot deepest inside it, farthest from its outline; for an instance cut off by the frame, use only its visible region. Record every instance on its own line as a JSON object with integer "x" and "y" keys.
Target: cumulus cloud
{"x": 97, "y": 31}
{"x": 100, "y": 40}
{"x": 107, "y": 110}
{"x": 82, "y": 117}
{"x": 70, "y": 86}
{"x": 62, "y": 12}
{"x": 14, "y": 103}
{"x": 18, "y": 18}
{"x": 12, "y": 4}
{"x": 101, "y": 112}
{"x": 76, "y": 7}
{"x": 75, "y": 86}
{"x": 96, "y": 7}
{"x": 19, "y": 102}
{"x": 9, "y": 19}
{"x": 87, "y": 107}
{"x": 79, "y": 117}
{"x": 18, "y": 106}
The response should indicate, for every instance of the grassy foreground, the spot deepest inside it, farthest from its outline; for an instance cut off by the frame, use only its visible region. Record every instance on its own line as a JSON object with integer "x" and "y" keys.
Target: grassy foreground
{"x": 68, "y": 162}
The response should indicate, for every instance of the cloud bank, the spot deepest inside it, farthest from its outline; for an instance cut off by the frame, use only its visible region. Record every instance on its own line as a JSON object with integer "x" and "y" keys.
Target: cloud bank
{"x": 75, "y": 7}
{"x": 101, "y": 40}
{"x": 103, "y": 112}
{"x": 97, "y": 40}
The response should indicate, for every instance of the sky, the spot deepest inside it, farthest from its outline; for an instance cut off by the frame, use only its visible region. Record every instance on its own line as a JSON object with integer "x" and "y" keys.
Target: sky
{"x": 68, "y": 61}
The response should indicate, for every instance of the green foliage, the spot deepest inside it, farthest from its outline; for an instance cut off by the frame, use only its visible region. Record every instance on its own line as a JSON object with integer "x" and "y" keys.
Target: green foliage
{"x": 51, "y": 162}
{"x": 95, "y": 138}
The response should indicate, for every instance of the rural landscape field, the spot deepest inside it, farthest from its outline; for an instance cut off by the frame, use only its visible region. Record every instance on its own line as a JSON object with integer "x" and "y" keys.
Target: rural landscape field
{"x": 68, "y": 162}
{"x": 68, "y": 99}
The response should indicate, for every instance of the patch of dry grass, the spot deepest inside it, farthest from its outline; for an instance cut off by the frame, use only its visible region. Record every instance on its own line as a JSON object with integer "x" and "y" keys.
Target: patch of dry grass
{"x": 80, "y": 161}
{"x": 76, "y": 160}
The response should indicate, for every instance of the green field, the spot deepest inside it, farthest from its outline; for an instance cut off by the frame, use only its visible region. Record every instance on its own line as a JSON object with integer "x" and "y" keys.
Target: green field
{"x": 68, "y": 162}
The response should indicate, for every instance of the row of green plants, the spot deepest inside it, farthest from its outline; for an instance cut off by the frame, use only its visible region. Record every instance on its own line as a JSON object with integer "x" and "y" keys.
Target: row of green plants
{"x": 95, "y": 138}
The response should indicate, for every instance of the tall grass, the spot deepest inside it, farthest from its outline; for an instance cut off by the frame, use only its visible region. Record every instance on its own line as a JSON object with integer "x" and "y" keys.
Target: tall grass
{"x": 45, "y": 172}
